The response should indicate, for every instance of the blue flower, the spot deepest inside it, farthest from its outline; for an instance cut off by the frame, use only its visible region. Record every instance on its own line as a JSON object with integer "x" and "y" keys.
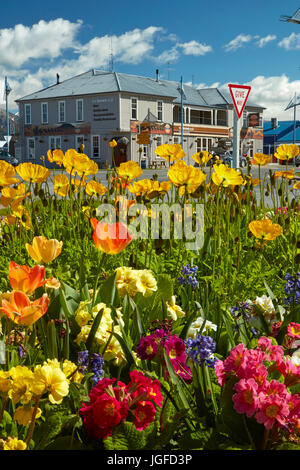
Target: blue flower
{"x": 201, "y": 350}
{"x": 292, "y": 289}
{"x": 94, "y": 363}
{"x": 189, "y": 276}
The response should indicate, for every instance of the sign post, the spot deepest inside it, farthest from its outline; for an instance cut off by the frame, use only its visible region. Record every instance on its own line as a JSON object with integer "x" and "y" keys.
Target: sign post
{"x": 239, "y": 95}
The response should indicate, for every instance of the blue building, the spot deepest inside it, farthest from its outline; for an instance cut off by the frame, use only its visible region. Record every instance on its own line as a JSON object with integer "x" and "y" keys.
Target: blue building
{"x": 280, "y": 132}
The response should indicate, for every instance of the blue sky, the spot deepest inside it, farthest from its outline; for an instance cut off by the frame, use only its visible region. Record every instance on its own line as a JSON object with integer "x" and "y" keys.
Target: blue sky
{"x": 208, "y": 43}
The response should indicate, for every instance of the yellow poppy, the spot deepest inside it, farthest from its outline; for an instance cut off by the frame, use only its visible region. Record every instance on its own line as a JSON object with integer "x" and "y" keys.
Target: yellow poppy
{"x": 169, "y": 152}
{"x": 297, "y": 185}
{"x": 32, "y": 172}
{"x": 7, "y": 173}
{"x": 21, "y": 214}
{"x": 225, "y": 176}
{"x": 56, "y": 156}
{"x": 43, "y": 250}
{"x": 287, "y": 151}
{"x": 289, "y": 175}
{"x": 265, "y": 229}
{"x": 75, "y": 162}
{"x": 94, "y": 188}
{"x": 186, "y": 177}
{"x": 129, "y": 170}
{"x": 202, "y": 157}
{"x": 261, "y": 159}
{"x": 11, "y": 195}
{"x": 112, "y": 143}
{"x": 61, "y": 185}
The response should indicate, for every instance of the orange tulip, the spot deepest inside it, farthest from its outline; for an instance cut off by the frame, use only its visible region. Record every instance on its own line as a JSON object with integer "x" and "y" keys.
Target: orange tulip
{"x": 21, "y": 310}
{"x": 24, "y": 278}
{"x": 110, "y": 238}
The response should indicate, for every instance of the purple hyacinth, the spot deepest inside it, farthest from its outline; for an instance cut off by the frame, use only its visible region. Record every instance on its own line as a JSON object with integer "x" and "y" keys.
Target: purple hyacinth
{"x": 292, "y": 289}
{"x": 189, "y": 276}
{"x": 201, "y": 350}
{"x": 94, "y": 363}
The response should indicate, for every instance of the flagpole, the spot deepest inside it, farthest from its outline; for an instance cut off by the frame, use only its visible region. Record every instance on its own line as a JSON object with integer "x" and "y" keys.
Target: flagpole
{"x": 7, "y": 117}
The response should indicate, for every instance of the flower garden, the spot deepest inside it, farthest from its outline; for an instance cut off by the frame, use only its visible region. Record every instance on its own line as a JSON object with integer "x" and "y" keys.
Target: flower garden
{"x": 113, "y": 341}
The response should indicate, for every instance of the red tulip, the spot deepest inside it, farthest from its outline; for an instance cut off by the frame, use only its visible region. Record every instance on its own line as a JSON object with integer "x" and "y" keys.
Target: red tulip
{"x": 24, "y": 278}
{"x": 21, "y": 310}
{"x": 110, "y": 238}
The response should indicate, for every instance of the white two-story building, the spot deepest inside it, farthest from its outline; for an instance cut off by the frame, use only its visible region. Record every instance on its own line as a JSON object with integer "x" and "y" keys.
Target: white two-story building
{"x": 95, "y": 107}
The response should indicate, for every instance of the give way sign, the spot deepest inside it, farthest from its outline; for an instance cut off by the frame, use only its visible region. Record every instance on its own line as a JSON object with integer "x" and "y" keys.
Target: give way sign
{"x": 239, "y": 95}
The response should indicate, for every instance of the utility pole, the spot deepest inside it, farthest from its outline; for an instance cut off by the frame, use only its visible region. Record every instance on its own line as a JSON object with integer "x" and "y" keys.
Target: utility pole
{"x": 7, "y": 90}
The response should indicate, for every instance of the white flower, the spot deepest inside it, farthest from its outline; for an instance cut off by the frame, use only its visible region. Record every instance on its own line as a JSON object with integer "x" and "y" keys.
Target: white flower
{"x": 196, "y": 326}
{"x": 295, "y": 359}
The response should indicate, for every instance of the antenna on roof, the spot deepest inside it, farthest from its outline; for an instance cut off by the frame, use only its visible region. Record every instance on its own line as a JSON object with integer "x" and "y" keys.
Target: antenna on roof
{"x": 111, "y": 56}
{"x": 168, "y": 70}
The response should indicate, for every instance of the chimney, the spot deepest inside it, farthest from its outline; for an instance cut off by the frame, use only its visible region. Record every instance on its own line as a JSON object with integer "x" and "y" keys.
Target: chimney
{"x": 57, "y": 79}
{"x": 157, "y": 74}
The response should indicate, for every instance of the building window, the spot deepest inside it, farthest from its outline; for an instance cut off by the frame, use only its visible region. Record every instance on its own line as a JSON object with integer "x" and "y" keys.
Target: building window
{"x": 96, "y": 147}
{"x": 133, "y": 108}
{"x": 158, "y": 141}
{"x": 31, "y": 148}
{"x": 176, "y": 140}
{"x": 199, "y": 145}
{"x": 27, "y": 113}
{"x": 55, "y": 142}
{"x": 78, "y": 141}
{"x": 61, "y": 111}
{"x": 44, "y": 111}
{"x": 79, "y": 110}
{"x": 159, "y": 110}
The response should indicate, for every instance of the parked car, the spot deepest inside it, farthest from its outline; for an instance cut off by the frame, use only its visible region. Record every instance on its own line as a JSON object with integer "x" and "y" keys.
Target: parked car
{"x": 4, "y": 155}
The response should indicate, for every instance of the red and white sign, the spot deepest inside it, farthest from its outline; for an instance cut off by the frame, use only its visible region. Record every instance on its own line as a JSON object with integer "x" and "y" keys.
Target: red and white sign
{"x": 239, "y": 95}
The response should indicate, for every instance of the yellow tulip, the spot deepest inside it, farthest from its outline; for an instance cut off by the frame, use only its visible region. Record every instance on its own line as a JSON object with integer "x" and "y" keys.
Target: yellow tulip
{"x": 32, "y": 172}
{"x": 43, "y": 250}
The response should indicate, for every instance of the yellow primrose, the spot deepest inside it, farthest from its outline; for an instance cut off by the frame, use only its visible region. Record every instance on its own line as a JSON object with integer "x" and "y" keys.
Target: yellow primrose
{"x": 23, "y": 414}
{"x": 13, "y": 443}
{"x": 50, "y": 379}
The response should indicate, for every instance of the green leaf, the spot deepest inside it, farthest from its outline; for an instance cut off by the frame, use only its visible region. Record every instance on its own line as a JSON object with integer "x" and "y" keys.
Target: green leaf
{"x": 93, "y": 331}
{"x": 125, "y": 437}
{"x": 108, "y": 292}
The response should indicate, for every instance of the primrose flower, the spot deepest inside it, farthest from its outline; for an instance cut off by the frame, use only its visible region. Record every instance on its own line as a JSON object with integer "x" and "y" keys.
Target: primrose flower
{"x": 246, "y": 398}
{"x": 273, "y": 410}
{"x": 23, "y": 414}
{"x": 50, "y": 379}
{"x": 13, "y": 443}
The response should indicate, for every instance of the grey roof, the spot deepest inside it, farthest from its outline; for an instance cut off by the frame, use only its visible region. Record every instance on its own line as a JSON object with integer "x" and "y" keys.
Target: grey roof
{"x": 95, "y": 82}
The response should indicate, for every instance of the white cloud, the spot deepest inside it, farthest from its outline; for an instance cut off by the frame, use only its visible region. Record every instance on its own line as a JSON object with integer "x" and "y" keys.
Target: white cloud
{"x": 194, "y": 48}
{"x": 41, "y": 40}
{"x": 238, "y": 42}
{"x": 265, "y": 40}
{"x": 290, "y": 42}
{"x": 169, "y": 55}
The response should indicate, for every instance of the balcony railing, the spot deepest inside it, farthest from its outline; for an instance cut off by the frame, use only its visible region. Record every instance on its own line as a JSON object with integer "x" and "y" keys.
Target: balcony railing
{"x": 204, "y": 121}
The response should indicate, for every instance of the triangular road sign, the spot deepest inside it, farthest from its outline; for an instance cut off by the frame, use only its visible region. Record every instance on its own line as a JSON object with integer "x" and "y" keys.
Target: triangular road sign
{"x": 239, "y": 95}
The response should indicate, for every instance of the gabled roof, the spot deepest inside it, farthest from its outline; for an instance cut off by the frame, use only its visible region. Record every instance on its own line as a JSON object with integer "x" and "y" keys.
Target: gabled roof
{"x": 283, "y": 128}
{"x": 95, "y": 82}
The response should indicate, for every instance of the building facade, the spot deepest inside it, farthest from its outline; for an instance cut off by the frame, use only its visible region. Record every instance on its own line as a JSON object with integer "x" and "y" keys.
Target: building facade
{"x": 95, "y": 107}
